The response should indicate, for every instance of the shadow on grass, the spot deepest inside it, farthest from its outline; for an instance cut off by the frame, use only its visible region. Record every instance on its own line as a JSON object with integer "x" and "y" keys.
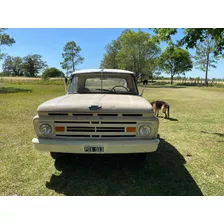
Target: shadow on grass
{"x": 170, "y": 119}
{"x": 13, "y": 90}
{"x": 214, "y": 133}
{"x": 173, "y": 119}
{"x": 163, "y": 173}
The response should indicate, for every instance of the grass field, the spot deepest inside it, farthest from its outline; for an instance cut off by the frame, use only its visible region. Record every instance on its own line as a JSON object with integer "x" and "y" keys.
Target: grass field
{"x": 189, "y": 161}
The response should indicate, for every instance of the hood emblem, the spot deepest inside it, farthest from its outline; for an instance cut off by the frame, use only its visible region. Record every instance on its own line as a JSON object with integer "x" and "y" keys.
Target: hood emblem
{"x": 95, "y": 107}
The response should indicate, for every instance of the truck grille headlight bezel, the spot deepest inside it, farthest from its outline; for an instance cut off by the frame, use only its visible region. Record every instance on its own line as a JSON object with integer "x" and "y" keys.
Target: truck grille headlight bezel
{"x": 38, "y": 123}
{"x": 45, "y": 129}
{"x": 145, "y": 130}
{"x": 148, "y": 135}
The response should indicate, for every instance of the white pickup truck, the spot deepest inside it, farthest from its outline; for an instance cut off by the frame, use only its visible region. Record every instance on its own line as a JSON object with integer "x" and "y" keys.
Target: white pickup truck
{"x": 102, "y": 112}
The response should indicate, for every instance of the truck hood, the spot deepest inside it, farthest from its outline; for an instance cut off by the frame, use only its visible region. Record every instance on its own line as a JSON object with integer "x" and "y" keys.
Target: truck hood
{"x": 108, "y": 102}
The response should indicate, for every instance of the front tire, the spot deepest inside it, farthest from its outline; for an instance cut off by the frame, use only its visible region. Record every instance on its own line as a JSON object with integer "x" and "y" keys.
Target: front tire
{"x": 57, "y": 155}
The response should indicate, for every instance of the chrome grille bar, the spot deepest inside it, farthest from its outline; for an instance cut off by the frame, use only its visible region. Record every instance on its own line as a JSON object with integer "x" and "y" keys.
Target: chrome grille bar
{"x": 95, "y": 129}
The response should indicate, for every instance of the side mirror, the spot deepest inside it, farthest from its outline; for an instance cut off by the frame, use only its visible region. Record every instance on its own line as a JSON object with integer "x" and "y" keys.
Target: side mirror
{"x": 143, "y": 90}
{"x": 65, "y": 84}
{"x": 145, "y": 83}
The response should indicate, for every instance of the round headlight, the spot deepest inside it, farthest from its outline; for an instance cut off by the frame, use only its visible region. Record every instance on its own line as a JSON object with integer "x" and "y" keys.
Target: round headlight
{"x": 145, "y": 130}
{"x": 45, "y": 129}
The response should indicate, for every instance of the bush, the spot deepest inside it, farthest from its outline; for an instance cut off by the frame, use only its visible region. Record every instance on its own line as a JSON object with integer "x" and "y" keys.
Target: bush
{"x": 13, "y": 90}
{"x": 52, "y": 72}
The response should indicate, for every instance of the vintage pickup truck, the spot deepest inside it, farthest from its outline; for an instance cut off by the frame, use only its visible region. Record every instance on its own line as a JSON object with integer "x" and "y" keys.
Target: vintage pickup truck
{"x": 102, "y": 112}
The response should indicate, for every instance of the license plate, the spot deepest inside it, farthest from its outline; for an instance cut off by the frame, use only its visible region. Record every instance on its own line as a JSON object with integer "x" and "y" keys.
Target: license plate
{"x": 88, "y": 148}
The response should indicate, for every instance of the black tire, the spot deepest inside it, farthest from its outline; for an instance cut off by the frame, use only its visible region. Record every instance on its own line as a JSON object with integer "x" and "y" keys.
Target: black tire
{"x": 57, "y": 155}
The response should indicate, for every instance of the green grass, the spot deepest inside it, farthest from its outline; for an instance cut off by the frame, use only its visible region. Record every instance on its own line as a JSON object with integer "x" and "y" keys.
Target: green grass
{"x": 190, "y": 159}
{"x": 31, "y": 81}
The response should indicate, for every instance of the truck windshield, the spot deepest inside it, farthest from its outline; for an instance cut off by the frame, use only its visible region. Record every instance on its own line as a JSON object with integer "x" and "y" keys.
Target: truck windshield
{"x": 103, "y": 83}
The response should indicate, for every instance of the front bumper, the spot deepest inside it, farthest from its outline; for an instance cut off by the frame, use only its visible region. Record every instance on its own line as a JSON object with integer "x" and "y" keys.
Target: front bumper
{"x": 110, "y": 146}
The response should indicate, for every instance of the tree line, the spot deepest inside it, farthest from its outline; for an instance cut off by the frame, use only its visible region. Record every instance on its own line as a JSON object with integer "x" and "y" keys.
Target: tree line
{"x": 32, "y": 65}
{"x": 140, "y": 52}
{"x": 135, "y": 51}
{"x": 28, "y": 66}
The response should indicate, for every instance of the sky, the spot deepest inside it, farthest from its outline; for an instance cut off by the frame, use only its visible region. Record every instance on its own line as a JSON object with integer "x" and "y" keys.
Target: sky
{"x": 49, "y": 43}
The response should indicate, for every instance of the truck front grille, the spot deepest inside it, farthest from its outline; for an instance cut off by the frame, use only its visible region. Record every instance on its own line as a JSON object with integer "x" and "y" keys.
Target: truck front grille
{"x": 95, "y": 129}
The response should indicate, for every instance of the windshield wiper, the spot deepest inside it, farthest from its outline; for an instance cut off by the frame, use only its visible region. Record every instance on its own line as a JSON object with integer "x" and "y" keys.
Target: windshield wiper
{"x": 107, "y": 90}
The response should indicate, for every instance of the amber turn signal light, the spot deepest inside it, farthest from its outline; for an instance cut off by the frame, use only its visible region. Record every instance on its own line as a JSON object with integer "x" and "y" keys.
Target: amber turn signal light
{"x": 131, "y": 129}
{"x": 60, "y": 129}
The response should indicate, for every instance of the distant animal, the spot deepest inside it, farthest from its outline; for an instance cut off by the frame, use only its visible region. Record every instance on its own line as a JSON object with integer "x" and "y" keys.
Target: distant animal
{"x": 66, "y": 80}
{"x": 163, "y": 106}
{"x": 145, "y": 82}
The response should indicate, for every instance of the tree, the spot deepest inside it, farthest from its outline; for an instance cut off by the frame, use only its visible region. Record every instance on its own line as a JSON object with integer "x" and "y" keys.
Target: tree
{"x": 193, "y": 36}
{"x": 5, "y": 39}
{"x": 33, "y": 64}
{"x": 175, "y": 61}
{"x": 152, "y": 68}
{"x": 205, "y": 56}
{"x": 134, "y": 51}
{"x": 109, "y": 59}
{"x": 71, "y": 56}
{"x": 13, "y": 65}
{"x": 52, "y": 72}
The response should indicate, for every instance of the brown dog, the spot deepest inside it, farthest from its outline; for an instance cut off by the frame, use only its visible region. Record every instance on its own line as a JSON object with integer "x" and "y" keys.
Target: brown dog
{"x": 161, "y": 105}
